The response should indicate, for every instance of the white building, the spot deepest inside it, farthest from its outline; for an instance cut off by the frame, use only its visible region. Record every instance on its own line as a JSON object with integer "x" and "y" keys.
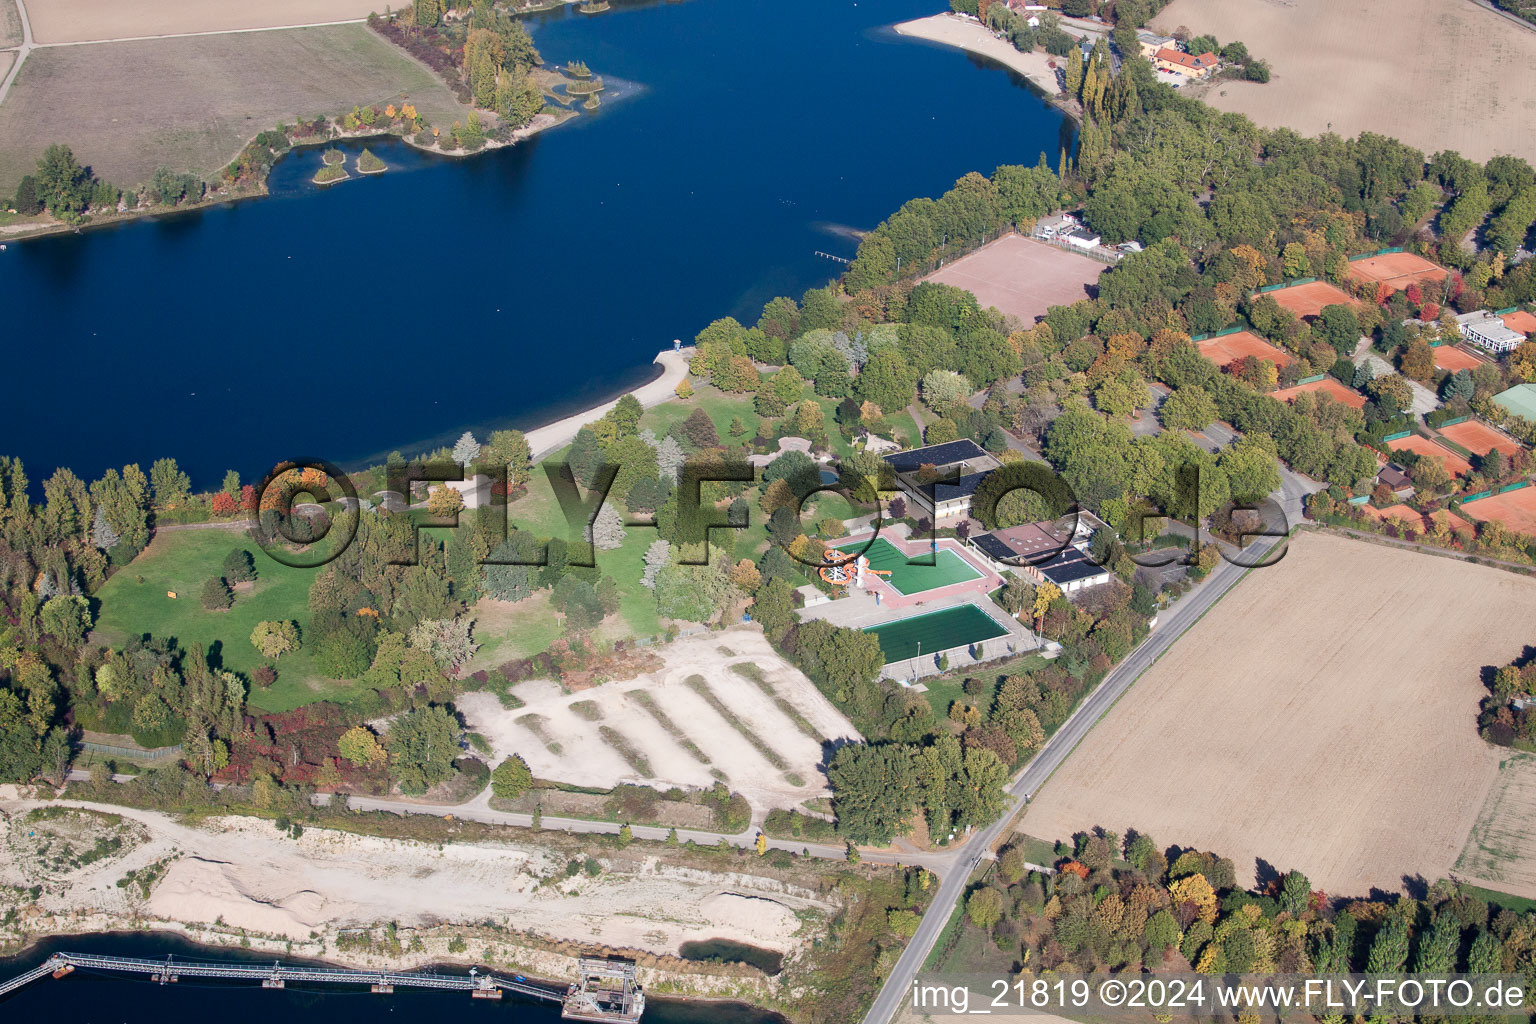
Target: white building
{"x": 1487, "y": 331}
{"x": 1082, "y": 238}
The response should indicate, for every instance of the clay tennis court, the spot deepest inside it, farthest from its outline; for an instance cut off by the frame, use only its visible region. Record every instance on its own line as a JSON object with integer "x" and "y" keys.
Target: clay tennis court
{"x": 1229, "y": 348}
{"x": 1454, "y": 464}
{"x": 1449, "y": 357}
{"x": 1398, "y": 269}
{"x": 1327, "y": 386}
{"x": 1516, "y": 510}
{"x": 1520, "y": 321}
{"x": 1022, "y": 277}
{"x": 1308, "y": 300}
{"x": 1258, "y": 734}
{"x": 1479, "y": 438}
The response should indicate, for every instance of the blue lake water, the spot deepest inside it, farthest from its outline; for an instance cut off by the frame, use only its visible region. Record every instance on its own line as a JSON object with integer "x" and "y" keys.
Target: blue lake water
{"x": 397, "y": 310}
{"x": 91, "y": 998}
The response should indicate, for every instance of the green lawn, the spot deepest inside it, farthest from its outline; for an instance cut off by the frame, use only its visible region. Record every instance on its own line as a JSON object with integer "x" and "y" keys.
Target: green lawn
{"x": 180, "y": 561}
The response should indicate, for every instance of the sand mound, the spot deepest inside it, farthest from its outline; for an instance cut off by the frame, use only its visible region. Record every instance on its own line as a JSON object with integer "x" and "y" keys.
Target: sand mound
{"x": 769, "y": 922}
{"x": 195, "y": 889}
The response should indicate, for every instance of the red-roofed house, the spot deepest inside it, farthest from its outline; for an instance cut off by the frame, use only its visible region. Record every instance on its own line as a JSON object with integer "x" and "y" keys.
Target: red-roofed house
{"x": 1189, "y": 65}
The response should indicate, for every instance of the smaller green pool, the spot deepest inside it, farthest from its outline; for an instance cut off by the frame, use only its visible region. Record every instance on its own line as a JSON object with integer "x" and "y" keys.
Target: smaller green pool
{"x": 909, "y": 579}
{"x": 936, "y": 631}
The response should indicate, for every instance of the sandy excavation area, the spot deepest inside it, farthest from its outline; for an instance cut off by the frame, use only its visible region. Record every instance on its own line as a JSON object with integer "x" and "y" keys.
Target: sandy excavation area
{"x": 73, "y": 21}
{"x": 1436, "y": 74}
{"x": 244, "y": 873}
{"x": 562, "y": 735}
{"x": 1322, "y": 716}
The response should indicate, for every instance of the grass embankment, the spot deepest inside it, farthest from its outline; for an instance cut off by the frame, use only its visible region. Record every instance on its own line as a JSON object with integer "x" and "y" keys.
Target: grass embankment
{"x": 135, "y": 601}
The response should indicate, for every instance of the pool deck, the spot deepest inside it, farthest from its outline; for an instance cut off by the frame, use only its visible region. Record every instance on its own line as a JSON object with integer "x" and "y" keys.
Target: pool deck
{"x": 892, "y": 598}
{"x": 859, "y": 609}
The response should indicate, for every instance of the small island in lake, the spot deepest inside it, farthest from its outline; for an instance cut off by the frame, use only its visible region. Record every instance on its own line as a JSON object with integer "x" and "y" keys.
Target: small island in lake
{"x": 335, "y": 168}
{"x": 368, "y": 163}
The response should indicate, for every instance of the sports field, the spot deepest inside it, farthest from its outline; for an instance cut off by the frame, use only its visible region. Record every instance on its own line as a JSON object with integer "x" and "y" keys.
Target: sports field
{"x": 1520, "y": 321}
{"x": 1229, "y": 348}
{"x": 1433, "y": 73}
{"x": 1449, "y": 357}
{"x": 1454, "y": 464}
{"x": 1397, "y": 269}
{"x": 909, "y": 578}
{"x": 1022, "y": 277}
{"x": 1308, "y": 300}
{"x": 1516, "y": 510}
{"x": 1479, "y": 438}
{"x": 1327, "y": 386}
{"x": 1501, "y": 852}
{"x": 936, "y": 631}
{"x": 1321, "y": 716}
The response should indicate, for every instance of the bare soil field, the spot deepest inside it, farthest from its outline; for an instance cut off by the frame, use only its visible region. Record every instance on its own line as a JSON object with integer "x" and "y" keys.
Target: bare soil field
{"x": 1515, "y": 509}
{"x": 1308, "y": 300}
{"x": 1479, "y": 438}
{"x": 197, "y": 101}
{"x": 1229, "y": 348}
{"x": 1022, "y": 277}
{"x": 1449, "y": 357}
{"x": 1501, "y": 852}
{"x": 1435, "y": 75}
{"x": 561, "y": 735}
{"x": 6, "y": 60}
{"x": 1454, "y": 464}
{"x": 1398, "y": 269}
{"x": 73, "y": 21}
{"x": 1320, "y": 717}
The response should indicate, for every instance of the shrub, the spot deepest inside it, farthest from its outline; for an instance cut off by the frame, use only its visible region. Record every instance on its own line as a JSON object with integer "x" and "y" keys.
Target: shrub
{"x": 217, "y": 596}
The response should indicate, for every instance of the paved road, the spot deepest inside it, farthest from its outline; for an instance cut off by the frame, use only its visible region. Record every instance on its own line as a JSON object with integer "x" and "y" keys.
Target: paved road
{"x": 1172, "y": 623}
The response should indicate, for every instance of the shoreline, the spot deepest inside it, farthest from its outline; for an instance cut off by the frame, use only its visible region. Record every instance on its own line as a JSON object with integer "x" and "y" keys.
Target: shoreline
{"x": 541, "y": 122}
{"x": 967, "y": 34}
{"x": 661, "y": 987}
{"x": 232, "y": 882}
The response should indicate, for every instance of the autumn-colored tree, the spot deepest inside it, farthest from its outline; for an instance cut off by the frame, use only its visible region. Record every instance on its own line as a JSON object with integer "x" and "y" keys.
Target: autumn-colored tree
{"x": 444, "y": 501}
{"x": 1045, "y": 595}
{"x": 746, "y": 576}
{"x": 362, "y": 748}
{"x": 1194, "y": 889}
{"x": 761, "y": 844}
{"x": 1418, "y": 362}
{"x": 224, "y": 504}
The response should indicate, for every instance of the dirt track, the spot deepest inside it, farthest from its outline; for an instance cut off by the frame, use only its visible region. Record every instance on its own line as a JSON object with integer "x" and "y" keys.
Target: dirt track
{"x": 1322, "y": 717}
{"x": 1436, "y": 73}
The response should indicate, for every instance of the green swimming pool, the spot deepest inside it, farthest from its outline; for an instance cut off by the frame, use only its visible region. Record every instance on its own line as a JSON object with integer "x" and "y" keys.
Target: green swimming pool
{"x": 947, "y": 566}
{"x": 936, "y": 631}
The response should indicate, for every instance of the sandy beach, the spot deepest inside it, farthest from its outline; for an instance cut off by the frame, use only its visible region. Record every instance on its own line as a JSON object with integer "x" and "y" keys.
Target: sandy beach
{"x": 553, "y": 436}
{"x": 969, "y": 35}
